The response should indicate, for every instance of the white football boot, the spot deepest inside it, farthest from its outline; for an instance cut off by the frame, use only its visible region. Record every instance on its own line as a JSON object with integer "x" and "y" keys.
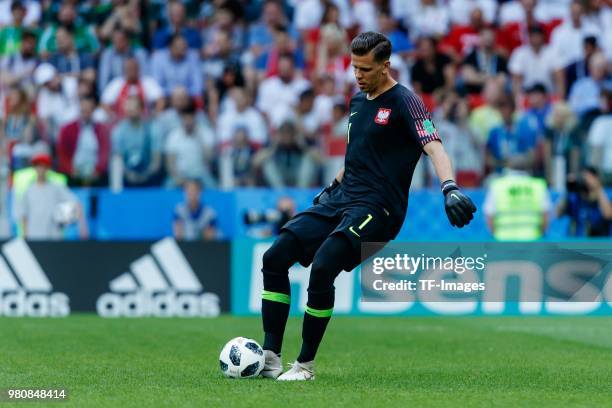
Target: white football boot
{"x": 299, "y": 372}
{"x": 273, "y": 366}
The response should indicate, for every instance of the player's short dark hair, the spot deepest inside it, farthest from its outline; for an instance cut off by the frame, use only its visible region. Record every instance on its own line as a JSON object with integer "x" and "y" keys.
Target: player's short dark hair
{"x": 377, "y": 43}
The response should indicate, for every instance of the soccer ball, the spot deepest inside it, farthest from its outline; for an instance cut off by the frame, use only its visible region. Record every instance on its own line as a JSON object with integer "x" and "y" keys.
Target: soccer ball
{"x": 241, "y": 358}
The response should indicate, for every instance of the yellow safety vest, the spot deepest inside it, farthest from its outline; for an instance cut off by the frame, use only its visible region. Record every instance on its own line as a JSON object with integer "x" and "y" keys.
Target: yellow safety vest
{"x": 518, "y": 207}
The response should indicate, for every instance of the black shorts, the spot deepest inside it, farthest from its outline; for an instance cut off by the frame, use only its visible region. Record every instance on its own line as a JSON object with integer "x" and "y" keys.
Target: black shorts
{"x": 359, "y": 223}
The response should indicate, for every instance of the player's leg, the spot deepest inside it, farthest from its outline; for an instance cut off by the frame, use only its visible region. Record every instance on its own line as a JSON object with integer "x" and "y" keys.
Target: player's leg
{"x": 276, "y": 296}
{"x": 298, "y": 241}
{"x": 328, "y": 262}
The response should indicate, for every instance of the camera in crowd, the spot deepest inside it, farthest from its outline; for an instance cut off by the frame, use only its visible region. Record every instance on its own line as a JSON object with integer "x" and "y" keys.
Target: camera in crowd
{"x": 578, "y": 184}
{"x": 272, "y": 219}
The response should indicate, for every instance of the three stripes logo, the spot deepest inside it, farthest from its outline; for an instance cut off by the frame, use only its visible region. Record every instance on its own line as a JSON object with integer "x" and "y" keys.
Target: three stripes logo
{"x": 25, "y": 290}
{"x": 161, "y": 284}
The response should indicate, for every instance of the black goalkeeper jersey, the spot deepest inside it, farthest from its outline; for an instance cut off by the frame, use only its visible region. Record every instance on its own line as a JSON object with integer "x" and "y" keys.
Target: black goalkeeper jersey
{"x": 385, "y": 139}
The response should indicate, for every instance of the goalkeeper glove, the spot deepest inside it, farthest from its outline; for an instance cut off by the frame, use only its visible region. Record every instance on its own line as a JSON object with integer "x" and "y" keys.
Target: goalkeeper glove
{"x": 459, "y": 207}
{"x": 324, "y": 194}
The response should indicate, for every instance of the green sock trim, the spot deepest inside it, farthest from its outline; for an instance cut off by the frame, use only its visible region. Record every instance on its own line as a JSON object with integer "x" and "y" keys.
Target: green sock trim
{"x": 319, "y": 313}
{"x": 276, "y": 297}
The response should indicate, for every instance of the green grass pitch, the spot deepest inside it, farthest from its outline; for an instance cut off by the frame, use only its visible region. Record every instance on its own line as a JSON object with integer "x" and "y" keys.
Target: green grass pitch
{"x": 363, "y": 362}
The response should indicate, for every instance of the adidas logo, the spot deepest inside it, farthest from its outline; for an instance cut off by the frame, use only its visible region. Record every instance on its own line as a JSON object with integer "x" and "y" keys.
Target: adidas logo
{"x": 162, "y": 285}
{"x": 28, "y": 292}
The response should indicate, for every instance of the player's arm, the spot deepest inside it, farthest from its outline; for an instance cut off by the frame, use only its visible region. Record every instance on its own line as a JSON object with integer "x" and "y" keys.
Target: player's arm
{"x": 459, "y": 207}
{"x": 323, "y": 194}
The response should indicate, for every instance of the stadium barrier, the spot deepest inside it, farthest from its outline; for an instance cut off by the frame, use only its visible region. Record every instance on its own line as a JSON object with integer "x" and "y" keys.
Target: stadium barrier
{"x": 147, "y": 214}
{"x": 114, "y": 279}
{"x": 247, "y": 286}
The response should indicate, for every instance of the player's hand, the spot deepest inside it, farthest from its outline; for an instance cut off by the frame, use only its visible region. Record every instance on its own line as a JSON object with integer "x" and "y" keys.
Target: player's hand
{"x": 324, "y": 194}
{"x": 459, "y": 207}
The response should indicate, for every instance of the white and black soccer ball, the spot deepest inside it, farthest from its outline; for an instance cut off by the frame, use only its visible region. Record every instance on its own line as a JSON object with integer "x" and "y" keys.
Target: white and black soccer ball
{"x": 241, "y": 358}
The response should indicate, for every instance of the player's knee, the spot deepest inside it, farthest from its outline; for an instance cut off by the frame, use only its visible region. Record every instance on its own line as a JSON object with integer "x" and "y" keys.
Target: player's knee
{"x": 281, "y": 255}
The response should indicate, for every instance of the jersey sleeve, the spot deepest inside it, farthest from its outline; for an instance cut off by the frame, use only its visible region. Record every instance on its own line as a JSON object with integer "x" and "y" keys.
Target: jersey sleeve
{"x": 418, "y": 119}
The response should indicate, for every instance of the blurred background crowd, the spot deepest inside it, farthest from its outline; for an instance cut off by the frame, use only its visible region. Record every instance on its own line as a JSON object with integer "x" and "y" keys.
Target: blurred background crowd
{"x": 233, "y": 93}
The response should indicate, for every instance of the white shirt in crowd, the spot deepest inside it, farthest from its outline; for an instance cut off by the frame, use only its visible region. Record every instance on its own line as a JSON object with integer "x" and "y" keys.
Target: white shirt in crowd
{"x": 38, "y": 206}
{"x": 150, "y": 88}
{"x": 568, "y": 41}
{"x": 59, "y": 107}
{"x": 546, "y": 10}
{"x": 250, "y": 119}
{"x": 33, "y": 12}
{"x": 460, "y": 10}
{"x": 189, "y": 150}
{"x": 429, "y": 20}
{"x": 599, "y": 138}
{"x": 275, "y": 98}
{"x": 308, "y": 13}
{"x": 535, "y": 68}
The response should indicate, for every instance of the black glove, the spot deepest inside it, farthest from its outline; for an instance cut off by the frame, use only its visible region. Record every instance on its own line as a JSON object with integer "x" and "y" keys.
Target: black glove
{"x": 324, "y": 194}
{"x": 459, "y": 207}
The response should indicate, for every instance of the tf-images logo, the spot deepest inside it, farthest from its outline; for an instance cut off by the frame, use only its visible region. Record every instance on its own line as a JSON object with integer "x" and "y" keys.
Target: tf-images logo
{"x": 162, "y": 284}
{"x": 25, "y": 289}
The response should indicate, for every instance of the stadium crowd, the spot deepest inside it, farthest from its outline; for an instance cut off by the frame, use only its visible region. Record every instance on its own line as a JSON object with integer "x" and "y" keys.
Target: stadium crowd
{"x": 254, "y": 92}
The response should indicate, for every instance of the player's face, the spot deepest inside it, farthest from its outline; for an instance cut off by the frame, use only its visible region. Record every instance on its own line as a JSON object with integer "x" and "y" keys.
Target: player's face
{"x": 369, "y": 73}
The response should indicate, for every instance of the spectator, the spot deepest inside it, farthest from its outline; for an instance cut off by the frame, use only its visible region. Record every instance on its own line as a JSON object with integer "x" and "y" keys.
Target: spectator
{"x": 194, "y": 221}
{"x": 178, "y": 66}
{"x": 176, "y": 26}
{"x": 267, "y": 63}
{"x": 533, "y": 63}
{"x": 19, "y": 67}
{"x": 236, "y": 167}
{"x": 287, "y": 162}
{"x": 430, "y": 20}
{"x": 561, "y": 149}
{"x": 307, "y": 122}
{"x": 219, "y": 54}
{"x": 16, "y": 118}
{"x": 260, "y": 34}
{"x": 277, "y": 93}
{"x": 389, "y": 26}
{"x": 113, "y": 58}
{"x": 67, "y": 60}
{"x": 580, "y": 68}
{"x": 587, "y": 205}
{"x": 464, "y": 148}
{"x": 57, "y": 102}
{"x": 244, "y": 116}
{"x": 333, "y": 58}
{"x": 483, "y": 63}
{"x": 486, "y": 117}
{"x": 10, "y": 35}
{"x": 124, "y": 16}
{"x": 139, "y": 149}
{"x": 533, "y": 120}
{"x": 567, "y": 39}
{"x": 600, "y": 140}
{"x": 432, "y": 71}
{"x": 170, "y": 119}
{"x": 330, "y": 22}
{"x": 131, "y": 83}
{"x": 38, "y": 207}
{"x": 84, "y": 35}
{"x": 507, "y": 145}
{"x": 460, "y": 10}
{"x": 32, "y": 12}
{"x": 223, "y": 21}
{"x": 83, "y": 148}
{"x": 189, "y": 150}
{"x": 585, "y": 94}
{"x": 461, "y": 40}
